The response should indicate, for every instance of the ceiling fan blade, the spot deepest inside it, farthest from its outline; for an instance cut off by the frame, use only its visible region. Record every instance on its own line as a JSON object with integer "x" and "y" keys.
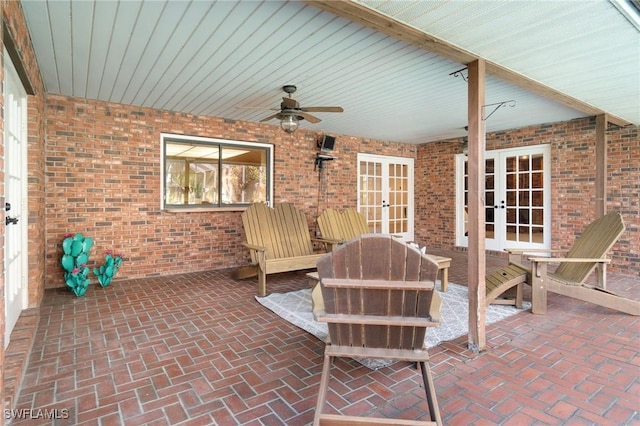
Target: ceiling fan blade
{"x": 271, "y": 117}
{"x": 260, "y": 108}
{"x": 288, "y": 103}
{"x": 310, "y": 118}
{"x": 323, "y": 109}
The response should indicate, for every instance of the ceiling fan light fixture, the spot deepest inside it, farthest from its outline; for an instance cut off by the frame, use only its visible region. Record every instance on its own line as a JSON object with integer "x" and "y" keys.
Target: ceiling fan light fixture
{"x": 291, "y": 113}
{"x": 289, "y": 123}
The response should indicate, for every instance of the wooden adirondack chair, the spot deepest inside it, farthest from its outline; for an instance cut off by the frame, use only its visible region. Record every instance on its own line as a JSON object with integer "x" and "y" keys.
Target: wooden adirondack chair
{"x": 588, "y": 253}
{"x": 278, "y": 240}
{"x": 339, "y": 227}
{"x": 378, "y": 300}
{"x": 504, "y": 286}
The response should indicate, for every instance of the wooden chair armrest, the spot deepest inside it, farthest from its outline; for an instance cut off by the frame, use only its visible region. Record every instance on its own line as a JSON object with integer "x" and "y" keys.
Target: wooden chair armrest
{"x": 531, "y": 250}
{"x": 379, "y": 284}
{"x": 375, "y": 320}
{"x": 327, "y": 240}
{"x": 254, "y": 247}
{"x": 568, "y": 260}
{"x": 518, "y": 256}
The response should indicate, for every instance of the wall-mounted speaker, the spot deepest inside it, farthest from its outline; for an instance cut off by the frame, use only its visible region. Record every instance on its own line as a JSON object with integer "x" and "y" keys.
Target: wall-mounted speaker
{"x": 327, "y": 143}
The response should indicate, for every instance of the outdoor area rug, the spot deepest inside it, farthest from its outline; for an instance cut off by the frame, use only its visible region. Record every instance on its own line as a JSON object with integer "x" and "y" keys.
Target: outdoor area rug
{"x": 295, "y": 307}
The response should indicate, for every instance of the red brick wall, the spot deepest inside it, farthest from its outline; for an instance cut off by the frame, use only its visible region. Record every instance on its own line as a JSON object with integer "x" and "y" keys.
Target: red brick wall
{"x": 103, "y": 179}
{"x": 572, "y": 184}
{"x": 623, "y": 194}
{"x": 435, "y": 188}
{"x": 36, "y": 189}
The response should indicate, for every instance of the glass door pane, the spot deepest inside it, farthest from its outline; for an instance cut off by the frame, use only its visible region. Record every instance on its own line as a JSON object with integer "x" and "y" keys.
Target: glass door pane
{"x": 385, "y": 194}
{"x": 371, "y": 194}
{"x": 491, "y": 200}
{"x": 517, "y": 198}
{"x": 525, "y": 198}
{"x": 398, "y": 200}
{"x": 493, "y": 207}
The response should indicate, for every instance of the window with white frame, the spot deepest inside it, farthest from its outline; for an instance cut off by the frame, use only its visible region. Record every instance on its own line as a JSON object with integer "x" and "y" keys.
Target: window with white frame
{"x": 205, "y": 173}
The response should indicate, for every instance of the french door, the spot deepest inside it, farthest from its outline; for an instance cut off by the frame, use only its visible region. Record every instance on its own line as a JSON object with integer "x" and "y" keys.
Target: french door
{"x": 15, "y": 183}
{"x": 517, "y": 198}
{"x": 385, "y": 194}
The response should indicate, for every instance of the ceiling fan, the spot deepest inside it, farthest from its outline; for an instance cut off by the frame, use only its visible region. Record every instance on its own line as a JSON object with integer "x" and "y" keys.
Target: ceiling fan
{"x": 291, "y": 112}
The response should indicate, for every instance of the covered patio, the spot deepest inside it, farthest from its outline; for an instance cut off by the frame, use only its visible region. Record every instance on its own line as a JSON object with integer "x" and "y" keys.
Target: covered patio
{"x": 198, "y": 349}
{"x": 176, "y": 340}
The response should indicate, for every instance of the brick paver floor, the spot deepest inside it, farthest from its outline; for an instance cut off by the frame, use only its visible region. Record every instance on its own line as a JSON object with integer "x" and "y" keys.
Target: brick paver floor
{"x": 197, "y": 349}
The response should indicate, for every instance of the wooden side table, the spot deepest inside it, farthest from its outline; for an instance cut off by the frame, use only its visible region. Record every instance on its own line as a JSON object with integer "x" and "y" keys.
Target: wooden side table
{"x": 443, "y": 265}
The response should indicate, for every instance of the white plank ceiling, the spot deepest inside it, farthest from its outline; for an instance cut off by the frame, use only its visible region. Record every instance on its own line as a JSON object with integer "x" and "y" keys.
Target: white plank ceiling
{"x": 230, "y": 59}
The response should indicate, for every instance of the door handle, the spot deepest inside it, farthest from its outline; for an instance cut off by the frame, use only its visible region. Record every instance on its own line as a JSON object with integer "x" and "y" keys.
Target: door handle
{"x": 10, "y": 220}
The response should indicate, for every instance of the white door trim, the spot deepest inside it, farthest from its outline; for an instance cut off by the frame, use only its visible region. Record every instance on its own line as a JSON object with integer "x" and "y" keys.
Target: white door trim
{"x": 379, "y": 212}
{"x": 500, "y": 242}
{"x": 15, "y": 242}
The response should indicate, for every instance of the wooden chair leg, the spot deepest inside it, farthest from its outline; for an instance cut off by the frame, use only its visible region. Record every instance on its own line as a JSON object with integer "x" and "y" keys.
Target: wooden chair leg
{"x": 445, "y": 279}
{"x": 262, "y": 283}
{"x": 601, "y": 275}
{"x": 538, "y": 288}
{"x": 430, "y": 390}
{"x": 262, "y": 274}
{"x": 519, "y": 292}
{"x": 324, "y": 387}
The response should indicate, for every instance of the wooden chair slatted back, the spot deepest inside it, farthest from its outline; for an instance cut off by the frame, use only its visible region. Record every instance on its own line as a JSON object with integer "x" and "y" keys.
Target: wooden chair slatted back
{"x": 378, "y": 257}
{"x": 328, "y": 222}
{"x": 356, "y": 224}
{"x": 283, "y": 230}
{"x": 594, "y": 243}
{"x": 343, "y": 226}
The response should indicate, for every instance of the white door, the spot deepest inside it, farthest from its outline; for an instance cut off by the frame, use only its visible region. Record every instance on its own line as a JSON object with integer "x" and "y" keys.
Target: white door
{"x": 385, "y": 194}
{"x": 517, "y": 198}
{"x": 15, "y": 146}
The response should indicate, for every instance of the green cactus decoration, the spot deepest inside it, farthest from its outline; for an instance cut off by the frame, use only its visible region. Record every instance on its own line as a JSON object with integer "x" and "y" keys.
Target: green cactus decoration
{"x": 74, "y": 260}
{"x": 108, "y": 269}
{"x": 77, "y": 280}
